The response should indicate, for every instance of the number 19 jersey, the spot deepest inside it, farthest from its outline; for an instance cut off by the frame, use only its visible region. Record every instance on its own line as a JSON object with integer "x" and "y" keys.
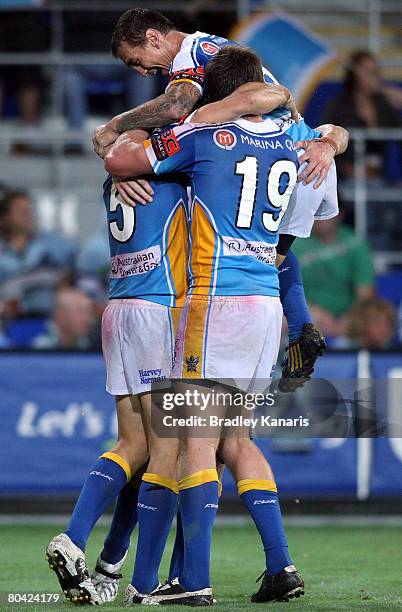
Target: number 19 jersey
{"x": 242, "y": 175}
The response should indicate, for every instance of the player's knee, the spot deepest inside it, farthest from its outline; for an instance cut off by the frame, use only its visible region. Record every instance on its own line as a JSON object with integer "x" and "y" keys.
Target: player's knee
{"x": 133, "y": 451}
{"x": 230, "y": 448}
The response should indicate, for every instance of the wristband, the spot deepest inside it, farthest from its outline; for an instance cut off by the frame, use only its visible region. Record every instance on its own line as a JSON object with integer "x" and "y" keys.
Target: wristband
{"x": 329, "y": 141}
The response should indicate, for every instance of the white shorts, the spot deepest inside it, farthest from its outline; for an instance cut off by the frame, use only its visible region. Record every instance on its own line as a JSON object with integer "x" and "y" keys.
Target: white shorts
{"x": 229, "y": 338}
{"x": 138, "y": 343}
{"x": 307, "y": 205}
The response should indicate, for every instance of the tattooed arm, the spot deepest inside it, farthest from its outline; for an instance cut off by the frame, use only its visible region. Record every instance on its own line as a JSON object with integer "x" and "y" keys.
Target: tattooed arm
{"x": 169, "y": 107}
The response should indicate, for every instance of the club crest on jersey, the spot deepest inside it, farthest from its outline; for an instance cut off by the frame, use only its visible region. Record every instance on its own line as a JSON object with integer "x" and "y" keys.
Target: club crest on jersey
{"x": 225, "y": 139}
{"x": 192, "y": 363}
{"x": 209, "y": 48}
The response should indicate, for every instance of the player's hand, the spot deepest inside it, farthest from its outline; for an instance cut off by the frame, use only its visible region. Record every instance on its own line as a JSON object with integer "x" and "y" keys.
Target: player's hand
{"x": 104, "y": 136}
{"x": 292, "y": 108}
{"x": 134, "y": 192}
{"x": 318, "y": 156}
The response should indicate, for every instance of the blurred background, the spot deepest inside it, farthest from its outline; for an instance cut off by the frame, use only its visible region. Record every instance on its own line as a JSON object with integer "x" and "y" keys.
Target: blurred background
{"x": 58, "y": 80}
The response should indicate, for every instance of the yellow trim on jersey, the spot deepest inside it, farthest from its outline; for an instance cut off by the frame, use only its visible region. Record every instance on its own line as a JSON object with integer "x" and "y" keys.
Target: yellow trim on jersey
{"x": 119, "y": 460}
{"x": 177, "y": 250}
{"x": 175, "y": 313}
{"x": 193, "y": 82}
{"x": 250, "y": 484}
{"x": 168, "y": 483}
{"x": 198, "y": 478}
{"x": 193, "y": 349}
{"x": 202, "y": 250}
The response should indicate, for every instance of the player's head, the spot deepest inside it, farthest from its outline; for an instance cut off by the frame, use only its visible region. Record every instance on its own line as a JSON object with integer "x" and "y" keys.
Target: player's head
{"x": 231, "y": 67}
{"x": 139, "y": 40}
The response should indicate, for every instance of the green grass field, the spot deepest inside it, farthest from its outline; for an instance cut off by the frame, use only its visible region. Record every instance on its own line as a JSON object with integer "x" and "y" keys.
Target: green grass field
{"x": 344, "y": 568}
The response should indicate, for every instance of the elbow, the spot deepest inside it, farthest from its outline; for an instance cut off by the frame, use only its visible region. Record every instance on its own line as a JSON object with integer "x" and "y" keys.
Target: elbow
{"x": 112, "y": 164}
{"x": 115, "y": 165}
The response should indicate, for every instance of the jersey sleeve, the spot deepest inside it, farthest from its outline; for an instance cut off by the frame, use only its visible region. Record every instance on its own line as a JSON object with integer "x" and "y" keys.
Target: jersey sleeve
{"x": 172, "y": 150}
{"x": 187, "y": 67}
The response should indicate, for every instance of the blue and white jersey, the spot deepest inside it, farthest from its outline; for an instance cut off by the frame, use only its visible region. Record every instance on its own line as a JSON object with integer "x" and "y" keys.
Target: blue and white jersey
{"x": 149, "y": 244}
{"x": 191, "y": 61}
{"x": 242, "y": 175}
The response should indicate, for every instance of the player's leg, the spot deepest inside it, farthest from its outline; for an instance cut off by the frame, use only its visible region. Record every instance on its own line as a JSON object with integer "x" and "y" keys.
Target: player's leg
{"x": 306, "y": 342}
{"x": 177, "y": 559}
{"x": 198, "y": 501}
{"x": 157, "y": 506}
{"x": 106, "y": 478}
{"x": 107, "y": 575}
{"x": 256, "y": 486}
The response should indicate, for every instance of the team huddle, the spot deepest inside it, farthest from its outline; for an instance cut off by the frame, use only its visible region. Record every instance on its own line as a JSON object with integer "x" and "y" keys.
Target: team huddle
{"x": 209, "y": 256}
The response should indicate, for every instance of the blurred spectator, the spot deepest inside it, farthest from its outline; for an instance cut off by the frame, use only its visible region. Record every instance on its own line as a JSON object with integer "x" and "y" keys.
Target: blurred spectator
{"x": 93, "y": 266}
{"x": 71, "y": 324}
{"x": 24, "y": 87}
{"x": 32, "y": 264}
{"x": 107, "y": 79}
{"x": 337, "y": 272}
{"x": 364, "y": 102}
{"x": 21, "y": 87}
{"x": 372, "y": 324}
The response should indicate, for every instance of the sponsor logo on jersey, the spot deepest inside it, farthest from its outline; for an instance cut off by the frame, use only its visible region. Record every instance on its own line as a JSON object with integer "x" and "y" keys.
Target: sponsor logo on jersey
{"x": 165, "y": 145}
{"x": 137, "y": 262}
{"x": 196, "y": 75}
{"x": 264, "y": 252}
{"x": 150, "y": 376}
{"x": 192, "y": 363}
{"x": 209, "y": 48}
{"x": 225, "y": 139}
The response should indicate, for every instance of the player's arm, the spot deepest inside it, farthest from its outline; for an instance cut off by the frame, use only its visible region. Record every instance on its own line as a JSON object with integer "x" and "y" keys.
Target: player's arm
{"x": 127, "y": 157}
{"x": 248, "y": 99}
{"x": 177, "y": 101}
{"x": 320, "y": 152}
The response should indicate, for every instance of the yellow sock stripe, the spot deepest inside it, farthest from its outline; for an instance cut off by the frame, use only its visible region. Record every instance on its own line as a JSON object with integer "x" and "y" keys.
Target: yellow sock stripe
{"x": 119, "y": 460}
{"x": 250, "y": 484}
{"x": 198, "y": 478}
{"x": 161, "y": 480}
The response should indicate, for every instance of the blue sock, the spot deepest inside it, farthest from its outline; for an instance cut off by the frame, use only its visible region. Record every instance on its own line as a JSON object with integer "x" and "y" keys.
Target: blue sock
{"x": 198, "y": 501}
{"x": 105, "y": 480}
{"x": 292, "y": 296}
{"x": 177, "y": 560}
{"x": 263, "y": 506}
{"x": 123, "y": 523}
{"x": 157, "y": 505}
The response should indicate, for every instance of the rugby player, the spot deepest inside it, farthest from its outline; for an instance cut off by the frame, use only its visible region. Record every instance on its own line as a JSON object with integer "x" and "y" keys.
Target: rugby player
{"x": 147, "y": 286}
{"x": 147, "y": 42}
{"x": 231, "y": 321}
